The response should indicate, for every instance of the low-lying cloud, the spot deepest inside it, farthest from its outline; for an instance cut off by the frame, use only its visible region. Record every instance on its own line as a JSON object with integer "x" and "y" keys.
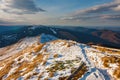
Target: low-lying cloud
{"x": 111, "y": 17}
{"x": 2, "y": 22}
{"x": 20, "y": 7}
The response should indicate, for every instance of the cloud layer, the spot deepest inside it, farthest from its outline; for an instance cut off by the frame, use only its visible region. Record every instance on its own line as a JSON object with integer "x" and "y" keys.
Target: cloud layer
{"x": 94, "y": 12}
{"x": 2, "y": 22}
{"x": 108, "y": 11}
{"x": 19, "y": 6}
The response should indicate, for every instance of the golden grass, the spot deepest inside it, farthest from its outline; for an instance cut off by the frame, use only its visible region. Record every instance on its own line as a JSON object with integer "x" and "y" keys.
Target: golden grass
{"x": 5, "y": 70}
{"x": 108, "y": 50}
{"x": 110, "y": 59}
{"x": 80, "y": 73}
{"x": 60, "y": 65}
{"x": 38, "y": 48}
{"x": 51, "y": 74}
{"x": 29, "y": 67}
{"x": 40, "y": 75}
{"x": 64, "y": 42}
{"x": 56, "y": 55}
{"x": 63, "y": 78}
{"x": 107, "y": 60}
{"x": 25, "y": 64}
{"x": 117, "y": 73}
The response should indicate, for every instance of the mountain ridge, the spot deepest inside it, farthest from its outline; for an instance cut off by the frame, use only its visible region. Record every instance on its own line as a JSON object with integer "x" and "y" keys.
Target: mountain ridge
{"x": 58, "y": 59}
{"x": 85, "y": 36}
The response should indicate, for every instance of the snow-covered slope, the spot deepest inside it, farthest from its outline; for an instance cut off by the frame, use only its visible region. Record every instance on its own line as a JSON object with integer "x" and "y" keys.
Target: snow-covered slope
{"x": 19, "y": 46}
{"x": 60, "y": 60}
{"x": 46, "y": 38}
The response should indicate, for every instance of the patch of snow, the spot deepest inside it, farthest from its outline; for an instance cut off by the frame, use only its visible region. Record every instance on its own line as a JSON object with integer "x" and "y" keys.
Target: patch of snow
{"x": 94, "y": 57}
{"x": 53, "y": 31}
{"x": 105, "y": 74}
{"x": 1, "y": 68}
{"x": 33, "y": 27}
{"x": 69, "y": 52}
{"x": 66, "y": 72}
{"x": 12, "y": 70}
{"x": 46, "y": 38}
{"x": 9, "y": 37}
{"x": 26, "y": 42}
{"x": 20, "y": 78}
{"x": 114, "y": 66}
{"x": 93, "y": 74}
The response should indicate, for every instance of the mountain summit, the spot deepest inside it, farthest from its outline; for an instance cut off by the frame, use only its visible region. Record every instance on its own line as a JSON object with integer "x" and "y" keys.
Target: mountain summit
{"x": 59, "y": 60}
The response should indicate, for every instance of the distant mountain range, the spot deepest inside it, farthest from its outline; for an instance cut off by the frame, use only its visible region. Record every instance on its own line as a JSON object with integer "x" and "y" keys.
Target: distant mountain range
{"x": 83, "y": 35}
{"x": 108, "y": 35}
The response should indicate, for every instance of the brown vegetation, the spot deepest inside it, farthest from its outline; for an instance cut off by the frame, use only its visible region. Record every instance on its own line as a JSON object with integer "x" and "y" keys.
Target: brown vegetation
{"x": 29, "y": 66}
{"x": 108, "y": 50}
{"x": 107, "y": 60}
{"x": 55, "y": 55}
{"x": 80, "y": 73}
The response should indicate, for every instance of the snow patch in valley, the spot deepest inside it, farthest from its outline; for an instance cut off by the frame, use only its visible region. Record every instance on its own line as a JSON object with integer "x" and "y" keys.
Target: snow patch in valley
{"x": 46, "y": 38}
{"x": 53, "y": 31}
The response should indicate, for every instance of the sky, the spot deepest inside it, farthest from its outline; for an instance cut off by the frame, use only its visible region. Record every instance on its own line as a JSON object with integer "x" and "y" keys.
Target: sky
{"x": 60, "y": 12}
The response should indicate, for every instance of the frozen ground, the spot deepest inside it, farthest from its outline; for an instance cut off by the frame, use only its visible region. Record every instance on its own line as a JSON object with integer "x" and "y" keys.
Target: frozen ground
{"x": 56, "y": 60}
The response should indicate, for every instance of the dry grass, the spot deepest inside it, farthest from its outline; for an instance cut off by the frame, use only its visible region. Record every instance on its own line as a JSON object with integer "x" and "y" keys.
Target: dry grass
{"x": 65, "y": 43}
{"x": 117, "y": 73}
{"x": 25, "y": 64}
{"x": 107, "y": 60}
{"x": 63, "y": 78}
{"x": 29, "y": 67}
{"x": 108, "y": 50}
{"x": 51, "y": 74}
{"x": 56, "y": 56}
{"x": 5, "y": 70}
{"x": 80, "y": 73}
{"x": 110, "y": 60}
{"x": 60, "y": 65}
{"x": 38, "y": 48}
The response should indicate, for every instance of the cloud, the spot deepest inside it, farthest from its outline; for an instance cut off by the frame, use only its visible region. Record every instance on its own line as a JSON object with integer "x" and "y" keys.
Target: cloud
{"x": 99, "y": 12}
{"x": 79, "y": 18}
{"x": 20, "y": 6}
{"x": 111, "y": 17}
{"x": 117, "y": 8}
{"x": 104, "y": 8}
{"x": 2, "y": 22}
{"x": 97, "y": 17}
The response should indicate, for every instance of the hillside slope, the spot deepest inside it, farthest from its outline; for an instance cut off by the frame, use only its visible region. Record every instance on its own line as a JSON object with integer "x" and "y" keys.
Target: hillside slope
{"x": 19, "y": 46}
{"x": 108, "y": 35}
{"x": 61, "y": 60}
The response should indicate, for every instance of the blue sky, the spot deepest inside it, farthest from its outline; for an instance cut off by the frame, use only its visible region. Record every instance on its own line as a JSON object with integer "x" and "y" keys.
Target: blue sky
{"x": 60, "y": 12}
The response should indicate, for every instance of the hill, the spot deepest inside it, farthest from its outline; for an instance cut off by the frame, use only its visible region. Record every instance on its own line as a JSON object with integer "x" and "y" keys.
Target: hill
{"x": 108, "y": 35}
{"x": 60, "y": 60}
